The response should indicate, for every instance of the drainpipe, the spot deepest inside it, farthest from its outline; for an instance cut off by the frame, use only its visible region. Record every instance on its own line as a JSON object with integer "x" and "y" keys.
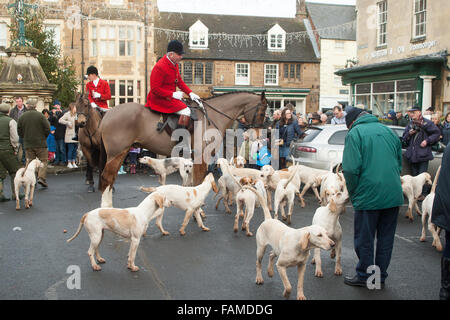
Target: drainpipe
{"x": 82, "y": 47}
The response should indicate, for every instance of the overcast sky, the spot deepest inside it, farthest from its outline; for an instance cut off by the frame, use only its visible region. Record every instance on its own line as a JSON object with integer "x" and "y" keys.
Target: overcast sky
{"x": 271, "y": 8}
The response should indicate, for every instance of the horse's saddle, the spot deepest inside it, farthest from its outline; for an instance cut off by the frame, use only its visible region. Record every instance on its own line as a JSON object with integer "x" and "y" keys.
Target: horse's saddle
{"x": 169, "y": 121}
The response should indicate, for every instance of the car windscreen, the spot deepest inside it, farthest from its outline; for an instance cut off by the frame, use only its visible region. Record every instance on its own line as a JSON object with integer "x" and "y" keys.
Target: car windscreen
{"x": 310, "y": 134}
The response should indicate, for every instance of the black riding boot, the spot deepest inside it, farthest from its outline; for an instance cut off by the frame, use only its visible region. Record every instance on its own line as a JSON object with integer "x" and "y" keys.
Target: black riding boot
{"x": 282, "y": 163}
{"x": 444, "y": 293}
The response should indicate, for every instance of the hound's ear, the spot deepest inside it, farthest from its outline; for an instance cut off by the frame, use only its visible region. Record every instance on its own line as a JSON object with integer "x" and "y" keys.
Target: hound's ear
{"x": 304, "y": 242}
{"x": 242, "y": 181}
{"x": 333, "y": 207}
{"x": 159, "y": 199}
{"x": 214, "y": 186}
{"x": 235, "y": 161}
{"x": 245, "y": 161}
{"x": 341, "y": 176}
{"x": 252, "y": 181}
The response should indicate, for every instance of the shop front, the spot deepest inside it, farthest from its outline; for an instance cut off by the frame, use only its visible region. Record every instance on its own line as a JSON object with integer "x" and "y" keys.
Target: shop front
{"x": 397, "y": 85}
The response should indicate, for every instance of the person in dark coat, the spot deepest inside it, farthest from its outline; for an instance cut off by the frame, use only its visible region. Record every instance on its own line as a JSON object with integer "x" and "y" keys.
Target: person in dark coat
{"x": 441, "y": 218}
{"x": 60, "y": 133}
{"x": 420, "y": 134}
{"x": 445, "y": 129}
{"x": 288, "y": 130}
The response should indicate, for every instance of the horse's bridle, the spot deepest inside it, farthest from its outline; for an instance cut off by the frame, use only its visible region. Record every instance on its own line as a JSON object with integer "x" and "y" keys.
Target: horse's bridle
{"x": 88, "y": 116}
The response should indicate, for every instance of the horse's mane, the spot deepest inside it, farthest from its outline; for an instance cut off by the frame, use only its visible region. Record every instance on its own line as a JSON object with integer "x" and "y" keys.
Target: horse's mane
{"x": 230, "y": 93}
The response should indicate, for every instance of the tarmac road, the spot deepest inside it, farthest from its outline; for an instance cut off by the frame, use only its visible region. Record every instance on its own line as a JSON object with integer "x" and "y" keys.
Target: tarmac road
{"x": 215, "y": 265}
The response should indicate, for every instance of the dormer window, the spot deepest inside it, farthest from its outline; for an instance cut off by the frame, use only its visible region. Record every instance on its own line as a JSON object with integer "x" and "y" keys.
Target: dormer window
{"x": 198, "y": 36}
{"x": 276, "y": 38}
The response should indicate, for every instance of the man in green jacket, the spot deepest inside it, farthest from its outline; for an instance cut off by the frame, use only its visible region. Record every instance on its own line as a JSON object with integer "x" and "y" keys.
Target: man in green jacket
{"x": 9, "y": 145}
{"x": 34, "y": 128}
{"x": 372, "y": 162}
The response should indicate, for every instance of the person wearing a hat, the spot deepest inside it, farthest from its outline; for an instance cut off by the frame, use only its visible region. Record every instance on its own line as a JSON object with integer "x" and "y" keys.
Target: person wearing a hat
{"x": 164, "y": 80}
{"x": 315, "y": 119}
{"x": 9, "y": 146}
{"x": 420, "y": 134}
{"x": 372, "y": 162}
{"x": 34, "y": 129}
{"x": 98, "y": 90}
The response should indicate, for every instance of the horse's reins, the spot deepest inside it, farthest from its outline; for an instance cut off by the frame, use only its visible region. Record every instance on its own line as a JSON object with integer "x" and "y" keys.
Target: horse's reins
{"x": 224, "y": 114}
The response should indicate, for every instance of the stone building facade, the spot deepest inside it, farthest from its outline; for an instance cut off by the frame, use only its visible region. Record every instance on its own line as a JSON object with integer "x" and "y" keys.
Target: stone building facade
{"x": 402, "y": 51}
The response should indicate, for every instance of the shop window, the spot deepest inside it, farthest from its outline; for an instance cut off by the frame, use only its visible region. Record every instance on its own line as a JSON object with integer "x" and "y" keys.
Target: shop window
{"x": 197, "y": 73}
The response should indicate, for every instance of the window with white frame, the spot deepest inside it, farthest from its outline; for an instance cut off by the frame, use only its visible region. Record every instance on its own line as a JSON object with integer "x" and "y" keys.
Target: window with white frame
{"x": 124, "y": 91}
{"x": 420, "y": 18}
{"x": 198, "y": 36}
{"x": 54, "y": 31}
{"x": 276, "y": 38}
{"x": 3, "y": 35}
{"x": 381, "y": 23}
{"x": 242, "y": 74}
{"x": 271, "y": 74}
{"x": 139, "y": 42}
{"x": 94, "y": 41}
{"x": 126, "y": 41}
{"x": 107, "y": 40}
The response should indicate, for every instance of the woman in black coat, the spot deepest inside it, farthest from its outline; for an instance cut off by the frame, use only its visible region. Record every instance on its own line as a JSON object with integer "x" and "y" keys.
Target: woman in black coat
{"x": 445, "y": 129}
{"x": 441, "y": 218}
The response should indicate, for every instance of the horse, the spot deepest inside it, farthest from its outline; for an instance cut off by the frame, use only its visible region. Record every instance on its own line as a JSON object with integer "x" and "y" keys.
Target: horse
{"x": 131, "y": 124}
{"x": 88, "y": 120}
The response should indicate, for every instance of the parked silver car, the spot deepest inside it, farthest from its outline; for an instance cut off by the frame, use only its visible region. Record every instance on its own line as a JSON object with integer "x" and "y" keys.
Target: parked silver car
{"x": 323, "y": 146}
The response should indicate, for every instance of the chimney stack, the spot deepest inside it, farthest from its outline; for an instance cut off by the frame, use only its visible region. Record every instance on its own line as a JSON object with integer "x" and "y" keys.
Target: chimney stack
{"x": 300, "y": 12}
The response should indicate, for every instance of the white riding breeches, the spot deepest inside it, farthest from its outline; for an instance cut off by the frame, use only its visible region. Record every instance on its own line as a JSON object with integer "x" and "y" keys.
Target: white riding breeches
{"x": 184, "y": 112}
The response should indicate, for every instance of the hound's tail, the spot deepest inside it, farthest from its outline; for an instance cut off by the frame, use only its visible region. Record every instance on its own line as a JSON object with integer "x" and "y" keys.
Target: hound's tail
{"x": 433, "y": 188}
{"x": 83, "y": 219}
{"x": 262, "y": 201}
{"x": 148, "y": 189}
{"x": 25, "y": 169}
{"x": 294, "y": 172}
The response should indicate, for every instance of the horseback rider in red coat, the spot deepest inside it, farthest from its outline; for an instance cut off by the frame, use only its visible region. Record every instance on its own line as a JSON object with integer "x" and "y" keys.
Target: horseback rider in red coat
{"x": 164, "y": 80}
{"x": 98, "y": 90}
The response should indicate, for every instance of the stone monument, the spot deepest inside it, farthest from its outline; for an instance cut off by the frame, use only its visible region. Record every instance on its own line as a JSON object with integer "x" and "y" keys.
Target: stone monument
{"x": 21, "y": 74}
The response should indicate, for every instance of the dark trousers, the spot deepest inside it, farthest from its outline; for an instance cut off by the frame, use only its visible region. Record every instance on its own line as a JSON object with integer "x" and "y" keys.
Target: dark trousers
{"x": 418, "y": 168}
{"x": 60, "y": 154}
{"x": 446, "y": 252}
{"x": 368, "y": 225}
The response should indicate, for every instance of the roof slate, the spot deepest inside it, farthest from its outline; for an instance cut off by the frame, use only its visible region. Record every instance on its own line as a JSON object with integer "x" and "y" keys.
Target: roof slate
{"x": 332, "y": 15}
{"x": 220, "y": 49}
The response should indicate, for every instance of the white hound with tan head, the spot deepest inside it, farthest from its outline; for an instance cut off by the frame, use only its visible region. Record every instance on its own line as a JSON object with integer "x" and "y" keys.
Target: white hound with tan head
{"x": 291, "y": 246}
{"x": 26, "y": 178}
{"x": 165, "y": 167}
{"x": 129, "y": 223}
{"x": 412, "y": 189}
{"x": 188, "y": 199}
{"x": 328, "y": 218}
{"x": 427, "y": 209}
